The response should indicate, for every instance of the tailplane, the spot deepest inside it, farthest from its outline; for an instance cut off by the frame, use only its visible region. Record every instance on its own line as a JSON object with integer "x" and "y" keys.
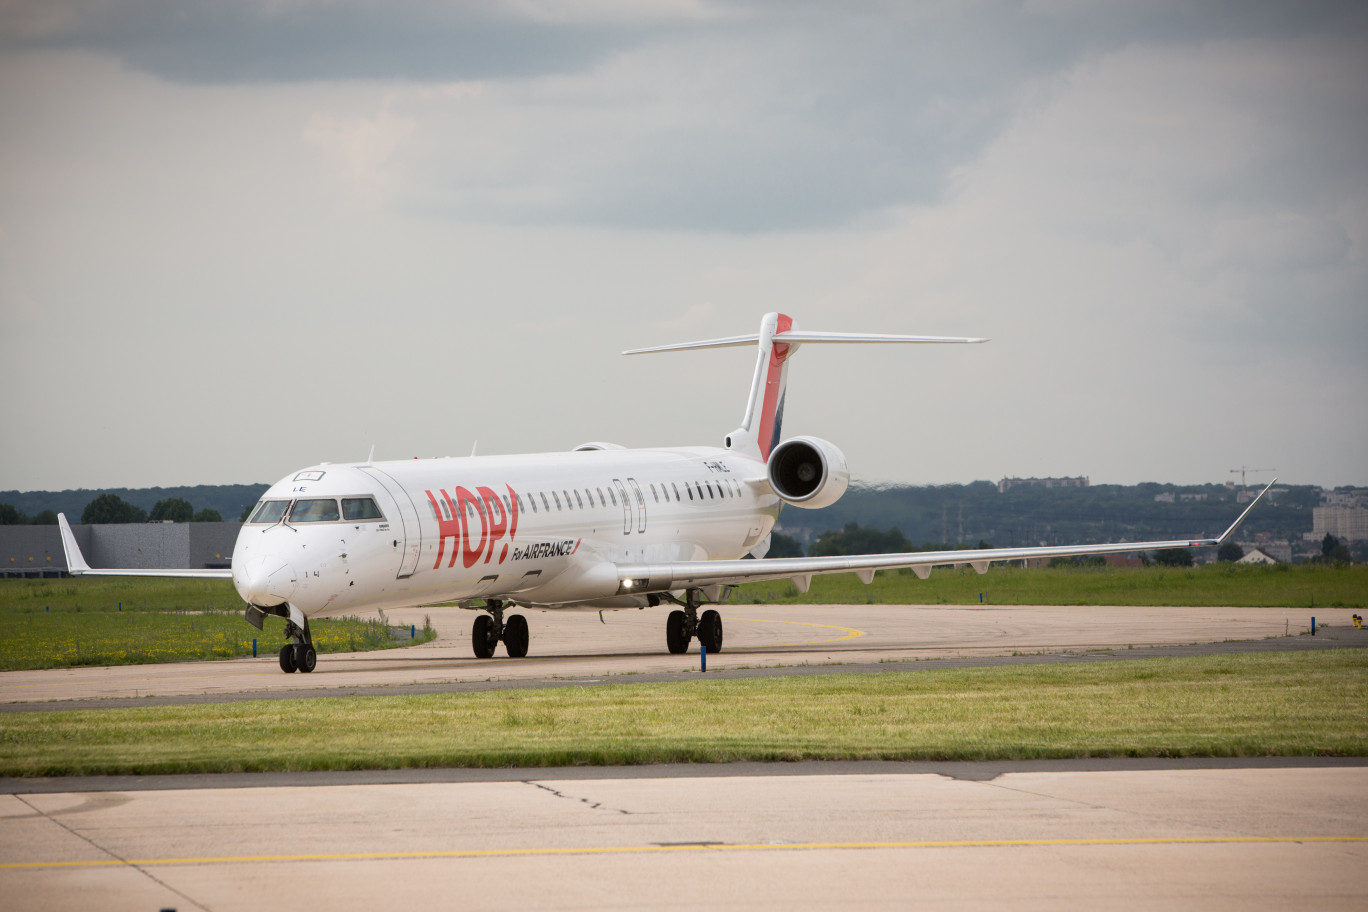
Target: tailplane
{"x": 778, "y": 339}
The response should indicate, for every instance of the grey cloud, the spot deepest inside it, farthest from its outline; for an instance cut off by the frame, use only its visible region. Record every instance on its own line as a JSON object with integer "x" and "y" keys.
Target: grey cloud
{"x": 247, "y": 42}
{"x": 781, "y": 115}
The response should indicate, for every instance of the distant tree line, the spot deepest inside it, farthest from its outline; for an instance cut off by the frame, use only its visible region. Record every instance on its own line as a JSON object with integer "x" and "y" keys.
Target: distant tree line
{"x": 111, "y": 508}
{"x": 11, "y": 515}
{"x": 1026, "y": 515}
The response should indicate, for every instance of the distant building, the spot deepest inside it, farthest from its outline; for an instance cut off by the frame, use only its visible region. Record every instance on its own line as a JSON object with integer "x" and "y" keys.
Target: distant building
{"x": 37, "y": 550}
{"x": 1257, "y": 556}
{"x": 1345, "y": 523}
{"x": 1006, "y": 483}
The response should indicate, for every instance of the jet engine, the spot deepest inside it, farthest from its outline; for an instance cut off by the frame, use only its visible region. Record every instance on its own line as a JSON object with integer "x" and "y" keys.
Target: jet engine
{"x": 808, "y": 472}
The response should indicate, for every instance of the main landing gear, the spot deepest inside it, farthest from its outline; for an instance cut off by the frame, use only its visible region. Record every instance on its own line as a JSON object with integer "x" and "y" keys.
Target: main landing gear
{"x": 683, "y": 625}
{"x": 298, "y": 654}
{"x": 490, "y": 628}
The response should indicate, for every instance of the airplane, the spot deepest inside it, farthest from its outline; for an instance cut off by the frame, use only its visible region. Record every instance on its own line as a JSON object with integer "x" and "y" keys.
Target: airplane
{"x": 598, "y": 527}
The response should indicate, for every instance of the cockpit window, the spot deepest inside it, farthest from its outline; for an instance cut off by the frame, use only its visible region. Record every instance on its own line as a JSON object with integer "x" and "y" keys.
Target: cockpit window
{"x": 314, "y": 511}
{"x": 269, "y": 511}
{"x": 358, "y": 508}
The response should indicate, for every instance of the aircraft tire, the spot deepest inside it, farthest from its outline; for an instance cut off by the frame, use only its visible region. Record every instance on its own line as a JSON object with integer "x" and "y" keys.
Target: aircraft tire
{"x": 676, "y": 633}
{"x": 306, "y": 658}
{"x": 482, "y": 637}
{"x": 516, "y": 636}
{"x": 288, "y": 664}
{"x": 710, "y": 630}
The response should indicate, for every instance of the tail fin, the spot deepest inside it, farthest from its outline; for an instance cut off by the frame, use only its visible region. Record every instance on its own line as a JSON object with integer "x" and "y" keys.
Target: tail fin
{"x": 759, "y": 430}
{"x": 779, "y": 338}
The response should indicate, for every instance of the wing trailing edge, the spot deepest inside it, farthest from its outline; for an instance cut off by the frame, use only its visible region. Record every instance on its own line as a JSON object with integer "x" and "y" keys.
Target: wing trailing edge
{"x": 642, "y": 578}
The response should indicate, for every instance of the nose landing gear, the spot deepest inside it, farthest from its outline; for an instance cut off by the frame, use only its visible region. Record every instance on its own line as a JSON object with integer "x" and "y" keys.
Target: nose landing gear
{"x": 299, "y": 654}
{"x": 490, "y": 628}
{"x": 683, "y": 625}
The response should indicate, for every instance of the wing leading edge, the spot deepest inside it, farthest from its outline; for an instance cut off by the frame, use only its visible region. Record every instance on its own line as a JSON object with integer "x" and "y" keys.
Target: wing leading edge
{"x": 77, "y": 566}
{"x": 639, "y": 578}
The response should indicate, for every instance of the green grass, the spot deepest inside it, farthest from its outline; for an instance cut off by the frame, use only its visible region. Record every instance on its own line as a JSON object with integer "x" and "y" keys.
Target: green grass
{"x": 61, "y": 623}
{"x": 1285, "y": 704}
{"x": 1225, "y": 585}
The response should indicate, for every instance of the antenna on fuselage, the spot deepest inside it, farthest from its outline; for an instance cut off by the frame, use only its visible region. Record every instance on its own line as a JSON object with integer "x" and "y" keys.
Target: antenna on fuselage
{"x": 370, "y": 460}
{"x": 473, "y": 446}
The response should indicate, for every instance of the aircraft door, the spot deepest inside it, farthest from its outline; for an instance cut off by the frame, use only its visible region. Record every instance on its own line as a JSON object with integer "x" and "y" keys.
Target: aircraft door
{"x": 641, "y": 505}
{"x": 626, "y": 507}
{"x": 411, "y": 536}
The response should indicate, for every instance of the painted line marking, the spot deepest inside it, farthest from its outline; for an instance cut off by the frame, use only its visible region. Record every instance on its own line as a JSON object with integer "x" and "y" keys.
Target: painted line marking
{"x": 850, "y": 632}
{"x": 693, "y": 847}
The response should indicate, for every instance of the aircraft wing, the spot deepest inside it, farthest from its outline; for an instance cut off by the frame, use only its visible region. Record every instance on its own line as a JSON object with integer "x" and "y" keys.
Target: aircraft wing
{"x": 77, "y": 566}
{"x": 639, "y": 578}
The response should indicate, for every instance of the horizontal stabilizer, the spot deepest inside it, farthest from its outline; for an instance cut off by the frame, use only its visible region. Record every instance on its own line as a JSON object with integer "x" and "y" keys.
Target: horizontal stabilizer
{"x": 794, "y": 337}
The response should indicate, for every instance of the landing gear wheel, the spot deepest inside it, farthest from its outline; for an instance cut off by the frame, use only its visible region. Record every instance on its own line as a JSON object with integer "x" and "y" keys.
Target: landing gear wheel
{"x": 516, "y": 636}
{"x": 483, "y": 637}
{"x": 710, "y": 630}
{"x": 677, "y": 633}
{"x": 306, "y": 658}
{"x": 287, "y": 659}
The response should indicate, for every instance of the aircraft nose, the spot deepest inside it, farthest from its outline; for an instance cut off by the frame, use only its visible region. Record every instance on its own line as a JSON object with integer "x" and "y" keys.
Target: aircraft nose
{"x": 265, "y": 581}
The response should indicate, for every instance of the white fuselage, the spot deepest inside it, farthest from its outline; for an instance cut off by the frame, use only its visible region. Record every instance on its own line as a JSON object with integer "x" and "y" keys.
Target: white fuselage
{"x": 542, "y": 529}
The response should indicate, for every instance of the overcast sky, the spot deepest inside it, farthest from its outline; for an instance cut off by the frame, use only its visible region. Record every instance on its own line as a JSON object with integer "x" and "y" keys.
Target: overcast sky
{"x": 238, "y": 239}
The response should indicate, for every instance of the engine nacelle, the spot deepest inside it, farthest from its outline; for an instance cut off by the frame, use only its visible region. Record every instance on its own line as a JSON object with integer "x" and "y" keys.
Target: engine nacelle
{"x": 808, "y": 472}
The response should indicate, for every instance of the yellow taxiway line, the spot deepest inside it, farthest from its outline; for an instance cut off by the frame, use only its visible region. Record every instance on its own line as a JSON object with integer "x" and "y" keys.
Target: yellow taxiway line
{"x": 690, "y": 847}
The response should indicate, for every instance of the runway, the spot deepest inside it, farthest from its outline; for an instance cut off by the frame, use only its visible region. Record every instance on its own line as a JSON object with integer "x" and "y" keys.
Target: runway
{"x": 629, "y": 646}
{"x": 868, "y": 836}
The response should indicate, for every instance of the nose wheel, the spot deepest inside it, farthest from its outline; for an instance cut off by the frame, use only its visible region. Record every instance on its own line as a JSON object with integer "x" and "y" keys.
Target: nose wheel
{"x": 298, "y": 655}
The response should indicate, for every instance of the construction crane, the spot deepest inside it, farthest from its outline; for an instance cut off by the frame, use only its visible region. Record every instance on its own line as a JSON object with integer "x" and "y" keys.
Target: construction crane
{"x": 1242, "y": 470}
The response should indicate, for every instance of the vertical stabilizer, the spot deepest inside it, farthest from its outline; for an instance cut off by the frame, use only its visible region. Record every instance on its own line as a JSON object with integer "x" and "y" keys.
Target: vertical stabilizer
{"x": 760, "y": 427}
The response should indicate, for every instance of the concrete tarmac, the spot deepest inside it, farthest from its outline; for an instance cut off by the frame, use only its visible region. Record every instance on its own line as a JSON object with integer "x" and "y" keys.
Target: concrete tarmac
{"x": 1043, "y": 836}
{"x": 576, "y": 647}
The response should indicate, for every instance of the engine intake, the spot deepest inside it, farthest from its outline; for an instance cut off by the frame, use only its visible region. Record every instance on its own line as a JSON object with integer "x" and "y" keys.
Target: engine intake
{"x": 808, "y": 472}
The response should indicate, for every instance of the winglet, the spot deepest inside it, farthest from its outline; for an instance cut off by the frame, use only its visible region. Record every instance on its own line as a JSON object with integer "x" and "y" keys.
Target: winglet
{"x": 1235, "y": 525}
{"x": 76, "y": 564}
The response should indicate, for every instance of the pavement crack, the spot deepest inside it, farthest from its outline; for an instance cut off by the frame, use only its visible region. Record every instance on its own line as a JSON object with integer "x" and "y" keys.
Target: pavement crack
{"x": 593, "y": 805}
{"x": 112, "y": 854}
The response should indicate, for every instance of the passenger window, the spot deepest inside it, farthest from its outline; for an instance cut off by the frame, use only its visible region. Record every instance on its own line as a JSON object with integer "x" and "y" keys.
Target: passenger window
{"x": 612, "y": 496}
{"x": 654, "y": 495}
{"x": 314, "y": 511}
{"x": 603, "y": 501}
{"x": 360, "y": 508}
{"x": 522, "y": 508}
{"x": 556, "y": 497}
{"x": 676, "y": 490}
{"x": 269, "y": 511}
{"x": 700, "y": 490}
{"x": 579, "y": 500}
{"x": 690, "y": 490}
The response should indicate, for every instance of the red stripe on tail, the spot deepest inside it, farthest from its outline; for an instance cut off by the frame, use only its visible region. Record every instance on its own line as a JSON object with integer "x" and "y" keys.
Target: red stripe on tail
{"x": 773, "y": 388}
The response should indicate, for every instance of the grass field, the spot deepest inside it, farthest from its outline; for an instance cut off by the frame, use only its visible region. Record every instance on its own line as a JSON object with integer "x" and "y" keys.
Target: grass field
{"x": 1282, "y": 585}
{"x": 60, "y": 623}
{"x": 1287, "y": 704}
